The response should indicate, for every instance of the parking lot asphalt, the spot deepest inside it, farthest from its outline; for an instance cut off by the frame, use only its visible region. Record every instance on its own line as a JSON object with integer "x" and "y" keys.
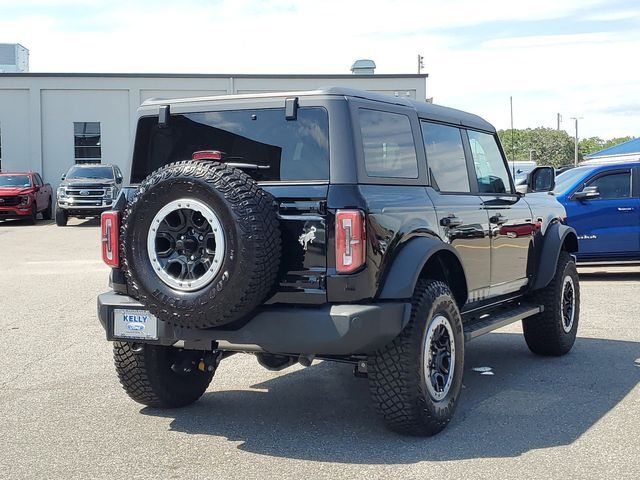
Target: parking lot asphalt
{"x": 64, "y": 415}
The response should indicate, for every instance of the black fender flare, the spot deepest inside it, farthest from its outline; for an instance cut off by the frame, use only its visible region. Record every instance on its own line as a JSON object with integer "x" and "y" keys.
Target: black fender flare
{"x": 406, "y": 267}
{"x": 554, "y": 238}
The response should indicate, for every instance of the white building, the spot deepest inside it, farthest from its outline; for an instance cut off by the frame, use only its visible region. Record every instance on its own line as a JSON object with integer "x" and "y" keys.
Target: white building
{"x": 14, "y": 58}
{"x": 50, "y": 121}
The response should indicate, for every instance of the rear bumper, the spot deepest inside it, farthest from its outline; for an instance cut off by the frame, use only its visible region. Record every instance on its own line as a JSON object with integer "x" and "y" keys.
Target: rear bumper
{"x": 21, "y": 211}
{"x": 326, "y": 330}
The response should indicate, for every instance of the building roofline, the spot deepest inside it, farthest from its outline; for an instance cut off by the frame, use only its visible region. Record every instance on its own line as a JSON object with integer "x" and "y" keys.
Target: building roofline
{"x": 209, "y": 75}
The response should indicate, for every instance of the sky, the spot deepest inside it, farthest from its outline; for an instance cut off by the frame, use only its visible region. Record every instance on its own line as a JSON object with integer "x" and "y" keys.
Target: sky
{"x": 578, "y": 58}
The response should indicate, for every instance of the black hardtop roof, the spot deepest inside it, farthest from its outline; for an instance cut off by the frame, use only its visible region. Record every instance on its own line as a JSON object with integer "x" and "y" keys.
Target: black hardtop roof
{"x": 425, "y": 110}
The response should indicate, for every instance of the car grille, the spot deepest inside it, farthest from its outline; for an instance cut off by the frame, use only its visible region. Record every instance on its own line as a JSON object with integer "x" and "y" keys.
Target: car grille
{"x": 9, "y": 201}
{"x": 85, "y": 196}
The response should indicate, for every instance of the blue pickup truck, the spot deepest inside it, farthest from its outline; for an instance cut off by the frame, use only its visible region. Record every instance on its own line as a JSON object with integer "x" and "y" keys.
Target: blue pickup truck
{"x": 603, "y": 205}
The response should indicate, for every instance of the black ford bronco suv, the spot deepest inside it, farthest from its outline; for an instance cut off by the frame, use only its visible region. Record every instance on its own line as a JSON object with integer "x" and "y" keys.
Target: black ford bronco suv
{"x": 338, "y": 225}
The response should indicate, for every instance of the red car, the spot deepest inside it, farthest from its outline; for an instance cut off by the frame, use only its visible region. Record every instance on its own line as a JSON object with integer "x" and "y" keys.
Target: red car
{"x": 24, "y": 195}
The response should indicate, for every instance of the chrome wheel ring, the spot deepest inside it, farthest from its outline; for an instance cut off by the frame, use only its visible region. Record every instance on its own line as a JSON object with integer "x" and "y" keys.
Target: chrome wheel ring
{"x": 186, "y": 244}
{"x": 439, "y": 350}
{"x": 568, "y": 303}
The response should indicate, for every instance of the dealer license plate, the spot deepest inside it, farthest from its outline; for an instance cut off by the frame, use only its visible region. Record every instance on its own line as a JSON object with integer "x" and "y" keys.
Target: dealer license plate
{"x": 138, "y": 324}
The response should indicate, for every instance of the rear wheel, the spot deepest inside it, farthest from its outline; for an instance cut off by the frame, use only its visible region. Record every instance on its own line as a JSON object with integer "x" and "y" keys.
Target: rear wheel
{"x": 61, "y": 217}
{"x": 47, "y": 214}
{"x": 146, "y": 374}
{"x": 415, "y": 381}
{"x": 553, "y": 331}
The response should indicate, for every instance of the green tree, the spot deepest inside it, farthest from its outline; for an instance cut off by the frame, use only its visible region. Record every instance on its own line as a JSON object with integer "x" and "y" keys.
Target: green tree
{"x": 590, "y": 145}
{"x": 549, "y": 146}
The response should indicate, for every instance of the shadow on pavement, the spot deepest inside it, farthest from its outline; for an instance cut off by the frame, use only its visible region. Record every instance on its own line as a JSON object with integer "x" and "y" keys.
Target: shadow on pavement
{"x": 323, "y": 413}
{"x": 85, "y": 222}
{"x": 25, "y": 223}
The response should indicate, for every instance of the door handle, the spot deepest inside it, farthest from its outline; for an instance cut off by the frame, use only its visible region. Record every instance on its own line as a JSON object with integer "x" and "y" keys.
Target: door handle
{"x": 450, "y": 221}
{"x": 498, "y": 219}
{"x": 625, "y": 209}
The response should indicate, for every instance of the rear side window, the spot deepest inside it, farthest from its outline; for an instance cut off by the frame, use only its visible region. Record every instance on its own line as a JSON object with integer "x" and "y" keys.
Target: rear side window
{"x": 389, "y": 149}
{"x": 269, "y": 147}
{"x": 445, "y": 157}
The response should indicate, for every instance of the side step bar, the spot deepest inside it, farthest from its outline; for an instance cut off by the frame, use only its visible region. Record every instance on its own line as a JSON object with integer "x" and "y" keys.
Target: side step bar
{"x": 489, "y": 322}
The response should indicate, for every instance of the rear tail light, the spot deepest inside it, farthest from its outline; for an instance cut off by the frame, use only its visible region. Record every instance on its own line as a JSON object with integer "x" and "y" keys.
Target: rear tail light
{"x": 207, "y": 155}
{"x": 110, "y": 223}
{"x": 350, "y": 240}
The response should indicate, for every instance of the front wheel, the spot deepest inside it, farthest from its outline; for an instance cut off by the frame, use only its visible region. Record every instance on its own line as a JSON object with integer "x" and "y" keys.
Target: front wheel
{"x": 415, "y": 381}
{"x": 553, "y": 331}
{"x": 148, "y": 375}
{"x": 34, "y": 215}
{"x": 61, "y": 217}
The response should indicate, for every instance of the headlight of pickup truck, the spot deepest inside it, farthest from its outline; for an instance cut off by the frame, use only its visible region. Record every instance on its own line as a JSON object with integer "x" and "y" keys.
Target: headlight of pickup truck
{"x": 108, "y": 193}
{"x": 24, "y": 199}
{"x": 61, "y": 192}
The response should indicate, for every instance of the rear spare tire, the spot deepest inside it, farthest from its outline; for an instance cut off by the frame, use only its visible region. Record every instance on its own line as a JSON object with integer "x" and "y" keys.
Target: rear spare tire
{"x": 200, "y": 244}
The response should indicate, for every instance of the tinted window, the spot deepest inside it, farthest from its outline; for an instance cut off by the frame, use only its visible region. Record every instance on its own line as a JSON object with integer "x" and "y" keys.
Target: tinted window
{"x": 90, "y": 172}
{"x": 270, "y": 147}
{"x": 490, "y": 168}
{"x": 387, "y": 139}
{"x": 445, "y": 157}
{"x": 38, "y": 180}
{"x": 615, "y": 185}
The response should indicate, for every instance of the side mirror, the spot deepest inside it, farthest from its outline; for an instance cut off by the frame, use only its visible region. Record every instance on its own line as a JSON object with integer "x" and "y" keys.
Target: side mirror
{"x": 587, "y": 193}
{"x": 118, "y": 180}
{"x": 63, "y": 177}
{"x": 541, "y": 179}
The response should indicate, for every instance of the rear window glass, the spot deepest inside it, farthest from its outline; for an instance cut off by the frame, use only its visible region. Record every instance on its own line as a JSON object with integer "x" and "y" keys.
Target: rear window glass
{"x": 261, "y": 142}
{"x": 387, "y": 139}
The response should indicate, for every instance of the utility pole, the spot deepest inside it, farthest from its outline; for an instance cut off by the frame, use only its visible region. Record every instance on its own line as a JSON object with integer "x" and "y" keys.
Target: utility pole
{"x": 575, "y": 156}
{"x": 531, "y": 152}
{"x": 559, "y": 120}
{"x": 420, "y": 63}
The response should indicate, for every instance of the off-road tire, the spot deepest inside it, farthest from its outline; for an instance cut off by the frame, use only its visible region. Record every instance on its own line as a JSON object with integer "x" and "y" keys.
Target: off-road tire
{"x": 47, "y": 213}
{"x": 61, "y": 217}
{"x": 544, "y": 332}
{"x": 251, "y": 261}
{"x": 145, "y": 374}
{"x": 397, "y": 372}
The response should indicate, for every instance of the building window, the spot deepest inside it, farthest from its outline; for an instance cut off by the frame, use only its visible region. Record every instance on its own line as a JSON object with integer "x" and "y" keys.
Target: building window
{"x": 87, "y": 142}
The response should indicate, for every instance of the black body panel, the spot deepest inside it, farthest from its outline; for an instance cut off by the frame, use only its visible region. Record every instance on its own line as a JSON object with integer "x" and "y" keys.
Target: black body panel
{"x": 492, "y": 248}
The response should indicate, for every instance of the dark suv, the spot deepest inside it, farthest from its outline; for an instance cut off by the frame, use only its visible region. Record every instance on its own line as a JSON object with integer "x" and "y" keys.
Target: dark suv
{"x": 87, "y": 190}
{"x": 337, "y": 225}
